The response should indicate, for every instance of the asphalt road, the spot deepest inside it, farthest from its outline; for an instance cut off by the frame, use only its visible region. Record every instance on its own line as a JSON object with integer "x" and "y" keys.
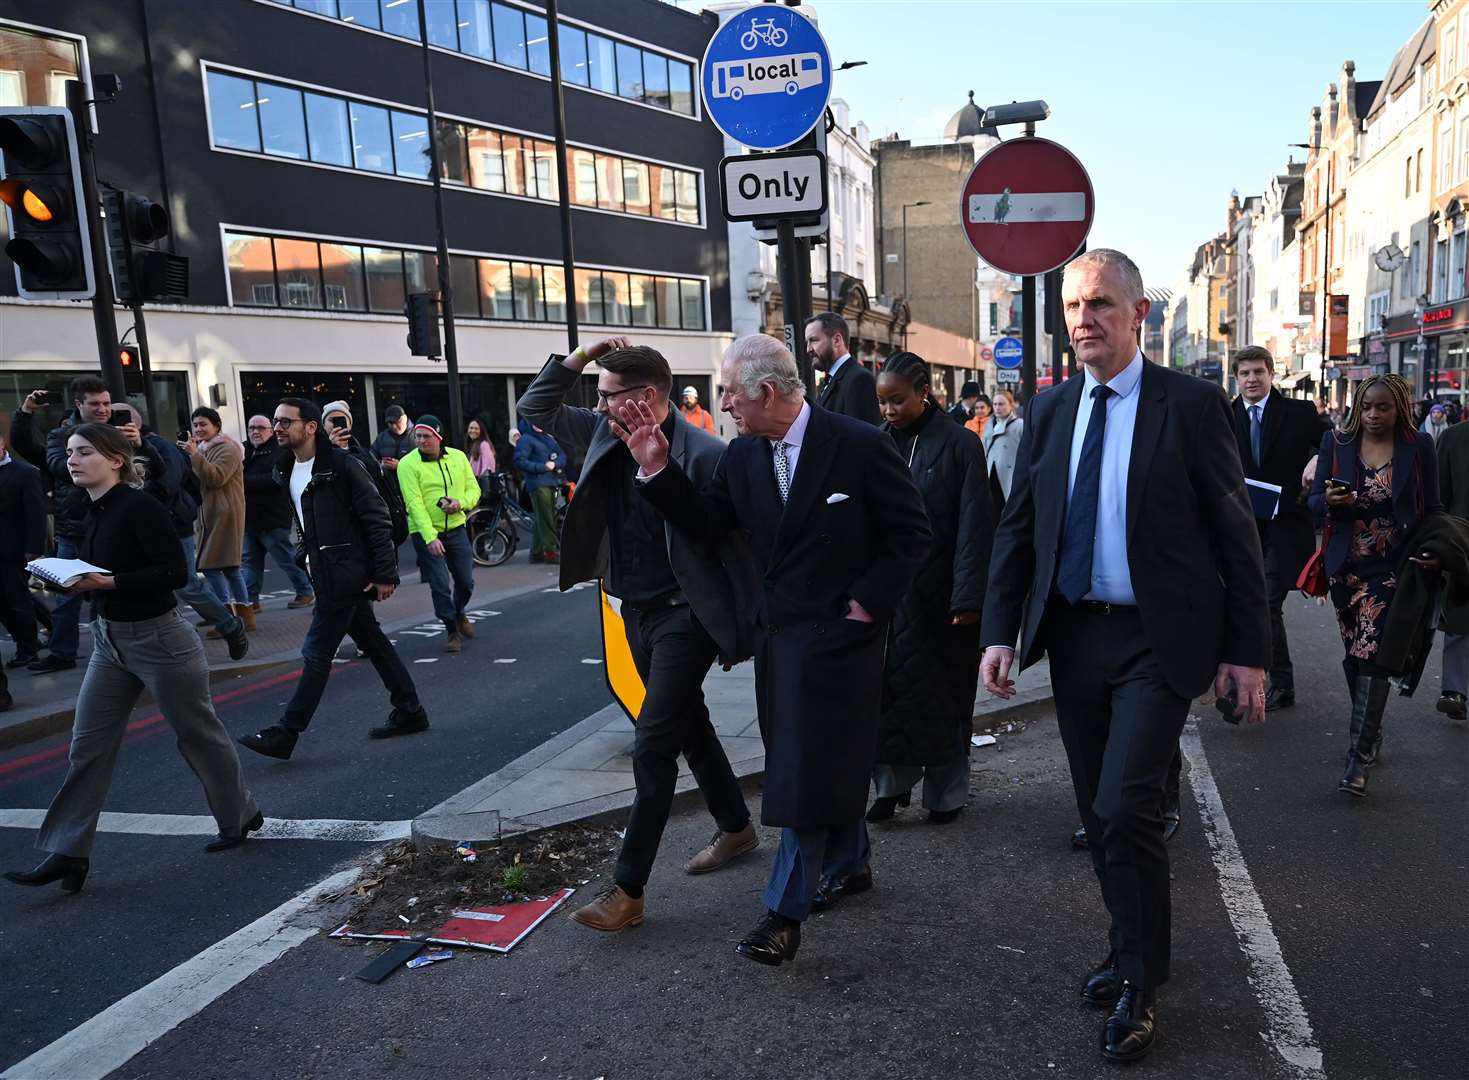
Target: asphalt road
{"x": 153, "y": 901}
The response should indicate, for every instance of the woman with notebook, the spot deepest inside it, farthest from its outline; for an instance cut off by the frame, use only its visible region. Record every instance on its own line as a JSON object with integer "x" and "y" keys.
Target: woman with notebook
{"x": 139, "y": 641}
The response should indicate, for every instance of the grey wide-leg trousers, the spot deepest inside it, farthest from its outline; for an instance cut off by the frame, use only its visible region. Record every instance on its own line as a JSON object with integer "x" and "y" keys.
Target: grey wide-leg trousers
{"x": 165, "y": 656}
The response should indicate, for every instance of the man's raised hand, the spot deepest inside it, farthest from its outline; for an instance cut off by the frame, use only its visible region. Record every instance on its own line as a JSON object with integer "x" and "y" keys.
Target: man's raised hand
{"x": 583, "y": 355}
{"x": 638, "y": 428}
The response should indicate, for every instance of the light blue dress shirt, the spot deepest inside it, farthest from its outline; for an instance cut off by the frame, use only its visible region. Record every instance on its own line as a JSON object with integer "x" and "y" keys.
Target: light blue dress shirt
{"x": 1111, "y": 575}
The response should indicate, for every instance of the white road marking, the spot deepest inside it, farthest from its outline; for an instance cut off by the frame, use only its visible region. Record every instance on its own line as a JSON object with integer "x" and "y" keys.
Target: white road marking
{"x": 1290, "y": 1029}
{"x": 204, "y": 825}
{"x": 590, "y": 660}
{"x": 505, "y": 660}
{"x": 427, "y": 660}
{"x": 111, "y": 1038}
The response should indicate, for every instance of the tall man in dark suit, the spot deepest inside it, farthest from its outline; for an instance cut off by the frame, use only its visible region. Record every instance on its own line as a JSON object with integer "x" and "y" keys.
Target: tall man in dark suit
{"x": 1129, "y": 554}
{"x": 679, "y": 597}
{"x": 23, "y": 509}
{"x": 1277, "y": 437}
{"x": 838, "y": 531}
{"x": 849, "y": 387}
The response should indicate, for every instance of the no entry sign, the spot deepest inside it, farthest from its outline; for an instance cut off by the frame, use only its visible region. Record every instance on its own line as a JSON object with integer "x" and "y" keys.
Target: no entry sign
{"x": 1027, "y": 206}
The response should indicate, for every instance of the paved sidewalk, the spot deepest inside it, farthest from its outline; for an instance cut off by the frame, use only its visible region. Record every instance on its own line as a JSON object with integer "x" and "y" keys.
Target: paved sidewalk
{"x": 44, "y": 703}
{"x": 586, "y": 771}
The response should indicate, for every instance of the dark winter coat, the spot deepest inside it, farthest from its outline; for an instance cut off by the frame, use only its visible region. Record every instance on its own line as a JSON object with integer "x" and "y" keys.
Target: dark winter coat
{"x": 267, "y": 507}
{"x": 25, "y": 442}
{"x": 347, "y": 533}
{"x": 1407, "y": 632}
{"x": 533, "y": 451}
{"x": 1452, "y": 450}
{"x": 852, "y": 529}
{"x": 70, "y": 503}
{"x": 168, "y": 477}
{"x": 23, "y": 509}
{"x": 932, "y": 669}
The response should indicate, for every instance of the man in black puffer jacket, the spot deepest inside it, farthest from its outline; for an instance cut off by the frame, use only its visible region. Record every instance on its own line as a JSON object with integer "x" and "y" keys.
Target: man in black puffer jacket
{"x": 347, "y": 547}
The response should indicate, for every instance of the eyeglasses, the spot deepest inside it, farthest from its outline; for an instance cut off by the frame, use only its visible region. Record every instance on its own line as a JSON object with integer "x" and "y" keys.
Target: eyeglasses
{"x": 284, "y": 421}
{"x": 606, "y": 396}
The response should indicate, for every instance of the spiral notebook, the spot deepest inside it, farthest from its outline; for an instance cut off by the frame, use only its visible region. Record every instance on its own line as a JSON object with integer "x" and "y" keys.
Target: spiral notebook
{"x": 63, "y": 573}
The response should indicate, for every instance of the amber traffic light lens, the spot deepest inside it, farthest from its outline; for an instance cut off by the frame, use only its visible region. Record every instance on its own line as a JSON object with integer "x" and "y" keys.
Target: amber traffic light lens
{"x": 35, "y": 207}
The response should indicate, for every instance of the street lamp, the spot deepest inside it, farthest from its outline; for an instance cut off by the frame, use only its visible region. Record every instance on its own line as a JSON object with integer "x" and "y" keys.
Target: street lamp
{"x": 920, "y": 202}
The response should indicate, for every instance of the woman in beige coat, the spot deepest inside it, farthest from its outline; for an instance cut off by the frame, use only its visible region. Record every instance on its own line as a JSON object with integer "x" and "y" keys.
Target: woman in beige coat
{"x": 219, "y": 465}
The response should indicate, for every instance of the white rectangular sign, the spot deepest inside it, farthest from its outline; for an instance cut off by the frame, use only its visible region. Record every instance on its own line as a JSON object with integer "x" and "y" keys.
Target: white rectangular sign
{"x": 782, "y": 185}
{"x": 1007, "y": 375}
{"x": 1007, "y": 207}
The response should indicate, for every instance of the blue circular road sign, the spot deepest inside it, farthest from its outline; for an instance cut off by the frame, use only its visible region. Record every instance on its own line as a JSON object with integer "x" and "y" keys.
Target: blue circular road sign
{"x": 767, "y": 77}
{"x": 1008, "y": 352}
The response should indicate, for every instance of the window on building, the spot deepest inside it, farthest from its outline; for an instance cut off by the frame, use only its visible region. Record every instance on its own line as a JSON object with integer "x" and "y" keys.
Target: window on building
{"x": 609, "y": 182}
{"x": 527, "y": 278}
{"x": 282, "y": 121}
{"x": 655, "y": 80}
{"x": 34, "y": 69}
{"x": 1274, "y": 299}
{"x": 537, "y": 44}
{"x": 385, "y": 290}
{"x": 582, "y": 176}
{"x": 319, "y": 7}
{"x": 329, "y": 137}
{"x": 640, "y": 300}
{"x": 664, "y": 192}
{"x": 629, "y": 71}
{"x": 1409, "y": 281}
{"x": 372, "y": 138}
{"x": 298, "y": 273}
{"x": 400, "y": 17}
{"x": 589, "y": 307}
{"x": 360, "y": 12}
{"x": 574, "y": 56}
{"x": 548, "y": 176}
{"x": 692, "y": 294}
{"x": 510, "y": 150}
{"x": 464, "y": 280}
{"x": 1449, "y": 53}
{"x": 476, "y": 38}
{"x": 233, "y": 112}
{"x": 420, "y": 271}
{"x": 1446, "y": 157}
{"x": 1418, "y": 172}
{"x": 1408, "y": 177}
{"x": 509, "y": 25}
{"x": 1441, "y": 271}
{"x": 410, "y": 144}
{"x": 686, "y": 187}
{"x": 1456, "y": 262}
{"x": 601, "y": 64}
{"x": 994, "y": 319}
{"x": 453, "y": 156}
{"x": 251, "y": 270}
{"x": 554, "y": 279}
{"x": 665, "y": 293}
{"x": 1464, "y": 149}
{"x": 486, "y": 166}
{"x": 442, "y": 23}
{"x": 341, "y": 276}
{"x": 635, "y": 188}
{"x": 615, "y": 298}
{"x": 681, "y": 87}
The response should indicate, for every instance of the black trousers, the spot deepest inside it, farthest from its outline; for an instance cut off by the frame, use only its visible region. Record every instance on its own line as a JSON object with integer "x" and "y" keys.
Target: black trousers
{"x": 17, "y": 611}
{"x": 1120, "y": 722}
{"x": 673, "y": 653}
{"x": 1277, "y": 588}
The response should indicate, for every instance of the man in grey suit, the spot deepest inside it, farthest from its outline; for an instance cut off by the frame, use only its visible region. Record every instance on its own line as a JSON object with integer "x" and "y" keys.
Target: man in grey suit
{"x": 681, "y": 601}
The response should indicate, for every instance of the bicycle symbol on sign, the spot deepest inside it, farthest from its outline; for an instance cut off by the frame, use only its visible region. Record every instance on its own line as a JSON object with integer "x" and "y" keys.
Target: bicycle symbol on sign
{"x": 766, "y": 31}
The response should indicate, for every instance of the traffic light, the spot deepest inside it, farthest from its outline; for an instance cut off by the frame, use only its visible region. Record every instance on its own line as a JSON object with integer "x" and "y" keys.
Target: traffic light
{"x": 50, "y": 244}
{"x": 127, "y": 356}
{"x": 423, "y": 324}
{"x": 135, "y": 226}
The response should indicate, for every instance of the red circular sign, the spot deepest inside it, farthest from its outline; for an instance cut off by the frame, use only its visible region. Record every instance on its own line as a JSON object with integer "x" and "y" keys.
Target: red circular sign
{"x": 1027, "y": 206}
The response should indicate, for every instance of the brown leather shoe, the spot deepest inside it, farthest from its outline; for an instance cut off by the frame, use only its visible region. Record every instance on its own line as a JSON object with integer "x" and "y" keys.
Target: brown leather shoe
{"x": 613, "y": 910}
{"x": 724, "y": 847}
{"x": 465, "y": 626}
{"x": 302, "y": 601}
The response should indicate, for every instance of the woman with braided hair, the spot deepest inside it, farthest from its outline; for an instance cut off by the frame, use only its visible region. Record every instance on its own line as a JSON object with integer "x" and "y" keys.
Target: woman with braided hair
{"x": 931, "y": 671}
{"x": 1377, "y": 478}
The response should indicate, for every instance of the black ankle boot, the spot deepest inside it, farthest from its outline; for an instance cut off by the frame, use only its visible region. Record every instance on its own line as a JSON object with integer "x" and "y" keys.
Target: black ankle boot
{"x": 883, "y": 808}
{"x": 1369, "y": 701}
{"x": 70, "y": 871}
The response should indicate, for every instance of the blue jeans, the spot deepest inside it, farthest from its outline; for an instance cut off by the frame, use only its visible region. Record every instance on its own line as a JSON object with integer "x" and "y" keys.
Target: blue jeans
{"x": 330, "y": 622}
{"x": 228, "y": 584}
{"x": 278, "y": 543}
{"x": 200, "y": 597}
{"x": 450, "y": 578}
{"x": 66, "y": 625}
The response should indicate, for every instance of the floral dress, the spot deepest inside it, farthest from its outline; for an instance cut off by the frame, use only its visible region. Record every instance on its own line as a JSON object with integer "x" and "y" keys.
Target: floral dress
{"x": 1364, "y": 590}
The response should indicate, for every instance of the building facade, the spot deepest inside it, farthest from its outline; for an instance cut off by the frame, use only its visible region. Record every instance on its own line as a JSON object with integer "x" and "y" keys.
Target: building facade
{"x": 289, "y": 143}
{"x": 1276, "y": 272}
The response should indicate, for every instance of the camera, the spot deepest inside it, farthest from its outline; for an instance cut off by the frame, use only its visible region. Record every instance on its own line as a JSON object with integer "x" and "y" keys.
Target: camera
{"x": 182, "y": 436}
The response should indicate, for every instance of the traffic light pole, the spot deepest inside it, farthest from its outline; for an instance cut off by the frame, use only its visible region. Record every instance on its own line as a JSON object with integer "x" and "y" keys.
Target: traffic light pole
{"x": 794, "y": 265}
{"x": 558, "y": 116}
{"x": 103, "y": 315}
{"x": 446, "y": 287}
{"x": 1027, "y": 338}
{"x": 140, "y": 331}
{"x": 1053, "y": 307}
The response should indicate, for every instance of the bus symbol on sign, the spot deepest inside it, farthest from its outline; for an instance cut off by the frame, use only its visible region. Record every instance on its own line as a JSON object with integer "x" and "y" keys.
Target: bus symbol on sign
{"x": 778, "y": 74}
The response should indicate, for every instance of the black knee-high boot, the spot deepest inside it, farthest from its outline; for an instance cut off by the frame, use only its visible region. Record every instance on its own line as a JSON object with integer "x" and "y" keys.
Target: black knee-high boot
{"x": 1369, "y": 701}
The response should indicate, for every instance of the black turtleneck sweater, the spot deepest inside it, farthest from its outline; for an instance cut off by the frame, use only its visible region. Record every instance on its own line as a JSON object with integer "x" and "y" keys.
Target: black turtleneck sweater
{"x": 131, "y": 535}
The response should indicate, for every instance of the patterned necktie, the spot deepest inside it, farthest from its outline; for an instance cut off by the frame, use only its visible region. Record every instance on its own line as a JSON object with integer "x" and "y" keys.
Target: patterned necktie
{"x": 782, "y": 471}
{"x": 1074, "y": 578}
{"x": 1255, "y": 434}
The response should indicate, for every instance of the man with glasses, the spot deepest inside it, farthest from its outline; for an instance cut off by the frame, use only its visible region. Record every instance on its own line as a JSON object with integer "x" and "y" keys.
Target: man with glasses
{"x": 347, "y": 537}
{"x": 679, "y": 599}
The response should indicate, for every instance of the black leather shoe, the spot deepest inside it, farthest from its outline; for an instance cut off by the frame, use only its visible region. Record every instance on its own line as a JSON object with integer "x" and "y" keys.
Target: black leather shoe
{"x": 236, "y": 641}
{"x": 832, "y": 889}
{"x": 225, "y": 841}
{"x": 22, "y": 659}
{"x": 1129, "y": 1032}
{"x": 401, "y": 723}
{"x": 1079, "y": 840}
{"x": 48, "y": 664}
{"x": 1450, "y": 704}
{"x": 1279, "y": 699}
{"x": 943, "y": 817}
{"x": 1103, "y": 983}
{"x": 883, "y": 808}
{"x": 274, "y": 741}
{"x": 6, "y": 701}
{"x": 70, "y": 871}
{"x": 773, "y": 941}
{"x": 1172, "y": 816}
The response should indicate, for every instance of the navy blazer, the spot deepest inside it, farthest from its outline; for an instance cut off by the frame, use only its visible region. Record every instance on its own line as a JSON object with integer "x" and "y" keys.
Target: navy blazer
{"x": 1414, "y": 489}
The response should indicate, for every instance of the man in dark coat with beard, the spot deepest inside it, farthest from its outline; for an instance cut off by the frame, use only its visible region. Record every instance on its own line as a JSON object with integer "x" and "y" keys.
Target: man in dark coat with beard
{"x": 838, "y": 531}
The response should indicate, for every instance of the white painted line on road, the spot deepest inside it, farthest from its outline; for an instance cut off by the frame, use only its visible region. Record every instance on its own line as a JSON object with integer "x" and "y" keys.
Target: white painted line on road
{"x": 1290, "y": 1028}
{"x": 590, "y": 660}
{"x": 427, "y": 660}
{"x": 111, "y": 1038}
{"x": 204, "y": 825}
{"x": 505, "y": 660}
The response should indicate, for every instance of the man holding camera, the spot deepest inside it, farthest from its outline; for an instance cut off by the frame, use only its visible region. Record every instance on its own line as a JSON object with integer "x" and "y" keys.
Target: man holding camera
{"x": 439, "y": 489}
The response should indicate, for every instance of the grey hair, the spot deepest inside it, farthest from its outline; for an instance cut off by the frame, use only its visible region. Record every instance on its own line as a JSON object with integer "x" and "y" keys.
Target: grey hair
{"x": 759, "y": 360}
{"x": 1132, "y": 277}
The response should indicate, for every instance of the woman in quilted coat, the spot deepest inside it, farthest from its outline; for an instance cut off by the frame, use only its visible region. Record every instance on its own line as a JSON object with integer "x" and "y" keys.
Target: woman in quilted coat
{"x": 932, "y": 666}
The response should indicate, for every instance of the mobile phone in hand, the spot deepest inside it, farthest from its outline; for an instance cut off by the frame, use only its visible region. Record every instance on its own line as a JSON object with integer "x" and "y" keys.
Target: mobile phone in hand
{"x": 1226, "y": 704}
{"x": 1336, "y": 483}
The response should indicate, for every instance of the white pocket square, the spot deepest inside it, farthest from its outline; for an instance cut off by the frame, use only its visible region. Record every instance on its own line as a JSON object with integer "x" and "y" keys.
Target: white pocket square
{"x": 836, "y": 498}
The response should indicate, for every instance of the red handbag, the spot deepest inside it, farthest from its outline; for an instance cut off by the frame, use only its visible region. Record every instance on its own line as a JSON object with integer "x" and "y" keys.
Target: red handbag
{"x": 1313, "y": 580}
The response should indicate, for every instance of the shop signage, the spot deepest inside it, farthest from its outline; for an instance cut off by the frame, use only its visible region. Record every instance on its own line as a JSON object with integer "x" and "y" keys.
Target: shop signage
{"x": 1438, "y": 315}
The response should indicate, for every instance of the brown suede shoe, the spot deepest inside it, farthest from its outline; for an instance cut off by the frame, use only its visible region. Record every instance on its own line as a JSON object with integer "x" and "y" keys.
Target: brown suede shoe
{"x": 613, "y": 910}
{"x": 724, "y": 847}
{"x": 465, "y": 626}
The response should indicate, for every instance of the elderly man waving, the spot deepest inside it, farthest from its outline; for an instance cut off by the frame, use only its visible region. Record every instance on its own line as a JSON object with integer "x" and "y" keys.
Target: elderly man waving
{"x": 838, "y": 531}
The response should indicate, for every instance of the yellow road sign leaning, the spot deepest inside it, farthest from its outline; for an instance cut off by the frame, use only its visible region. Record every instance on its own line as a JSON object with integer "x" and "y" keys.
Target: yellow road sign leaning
{"x": 622, "y": 674}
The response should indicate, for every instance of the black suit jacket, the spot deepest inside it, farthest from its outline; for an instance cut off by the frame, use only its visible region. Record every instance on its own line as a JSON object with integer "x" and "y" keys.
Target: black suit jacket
{"x": 1290, "y": 435}
{"x": 23, "y": 509}
{"x": 852, "y": 391}
{"x": 854, "y": 528}
{"x": 1192, "y": 544}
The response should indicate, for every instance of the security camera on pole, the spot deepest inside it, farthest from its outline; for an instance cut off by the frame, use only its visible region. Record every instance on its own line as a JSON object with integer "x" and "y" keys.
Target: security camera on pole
{"x": 1026, "y": 208}
{"x": 766, "y": 84}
